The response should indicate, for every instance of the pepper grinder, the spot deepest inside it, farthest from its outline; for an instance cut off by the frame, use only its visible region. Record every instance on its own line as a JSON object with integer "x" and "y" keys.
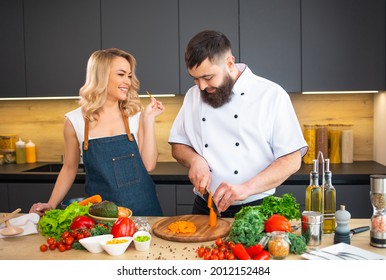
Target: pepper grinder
{"x": 342, "y": 231}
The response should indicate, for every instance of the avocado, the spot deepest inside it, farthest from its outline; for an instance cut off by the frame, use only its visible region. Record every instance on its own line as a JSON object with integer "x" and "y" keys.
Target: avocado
{"x": 105, "y": 208}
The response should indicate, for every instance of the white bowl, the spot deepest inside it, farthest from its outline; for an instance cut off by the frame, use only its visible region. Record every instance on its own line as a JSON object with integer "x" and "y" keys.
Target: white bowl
{"x": 92, "y": 243}
{"x": 116, "y": 249}
{"x": 141, "y": 245}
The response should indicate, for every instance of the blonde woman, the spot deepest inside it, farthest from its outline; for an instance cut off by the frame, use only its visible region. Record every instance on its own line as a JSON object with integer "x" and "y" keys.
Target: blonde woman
{"x": 114, "y": 134}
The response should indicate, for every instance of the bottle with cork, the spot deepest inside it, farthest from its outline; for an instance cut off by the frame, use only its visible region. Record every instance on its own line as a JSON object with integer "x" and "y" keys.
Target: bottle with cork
{"x": 314, "y": 191}
{"x": 329, "y": 221}
{"x": 30, "y": 152}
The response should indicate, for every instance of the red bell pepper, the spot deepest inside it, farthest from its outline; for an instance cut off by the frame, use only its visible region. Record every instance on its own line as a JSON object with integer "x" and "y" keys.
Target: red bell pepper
{"x": 277, "y": 222}
{"x": 240, "y": 252}
{"x": 264, "y": 255}
{"x": 254, "y": 250}
{"x": 123, "y": 227}
{"x": 82, "y": 222}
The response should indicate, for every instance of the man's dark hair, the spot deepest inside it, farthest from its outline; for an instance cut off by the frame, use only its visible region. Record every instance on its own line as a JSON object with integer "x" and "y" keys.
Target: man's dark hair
{"x": 206, "y": 44}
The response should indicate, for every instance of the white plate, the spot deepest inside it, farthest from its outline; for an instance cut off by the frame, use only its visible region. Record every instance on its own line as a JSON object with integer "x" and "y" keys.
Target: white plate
{"x": 342, "y": 247}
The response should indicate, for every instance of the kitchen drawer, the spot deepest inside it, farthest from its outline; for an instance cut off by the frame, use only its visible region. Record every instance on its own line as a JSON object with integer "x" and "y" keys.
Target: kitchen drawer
{"x": 167, "y": 198}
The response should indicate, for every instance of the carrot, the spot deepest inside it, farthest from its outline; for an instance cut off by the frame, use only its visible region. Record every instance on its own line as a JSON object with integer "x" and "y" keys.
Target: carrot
{"x": 92, "y": 199}
{"x": 212, "y": 214}
{"x": 182, "y": 227}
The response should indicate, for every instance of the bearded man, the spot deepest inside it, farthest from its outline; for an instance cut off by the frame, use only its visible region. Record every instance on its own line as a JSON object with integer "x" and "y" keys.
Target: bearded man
{"x": 236, "y": 132}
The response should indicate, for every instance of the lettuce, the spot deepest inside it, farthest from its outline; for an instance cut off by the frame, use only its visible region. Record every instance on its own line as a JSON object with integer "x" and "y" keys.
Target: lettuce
{"x": 57, "y": 221}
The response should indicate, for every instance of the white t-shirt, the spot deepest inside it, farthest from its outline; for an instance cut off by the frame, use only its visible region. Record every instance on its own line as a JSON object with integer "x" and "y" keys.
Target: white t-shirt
{"x": 76, "y": 118}
{"x": 244, "y": 136}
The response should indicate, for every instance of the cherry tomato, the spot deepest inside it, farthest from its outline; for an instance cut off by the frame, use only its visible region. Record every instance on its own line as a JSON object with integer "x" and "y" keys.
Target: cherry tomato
{"x": 52, "y": 246}
{"x": 68, "y": 247}
{"x": 221, "y": 255}
{"x": 50, "y": 240}
{"x": 80, "y": 236}
{"x": 43, "y": 247}
{"x": 69, "y": 240}
{"x": 62, "y": 248}
{"x": 215, "y": 251}
{"x": 219, "y": 242}
{"x": 231, "y": 245}
{"x": 207, "y": 255}
{"x": 200, "y": 252}
{"x": 214, "y": 257}
{"x": 65, "y": 234}
{"x": 231, "y": 256}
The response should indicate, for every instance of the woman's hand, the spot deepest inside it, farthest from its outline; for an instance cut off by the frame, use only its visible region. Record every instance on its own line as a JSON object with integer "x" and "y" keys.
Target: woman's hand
{"x": 40, "y": 208}
{"x": 154, "y": 108}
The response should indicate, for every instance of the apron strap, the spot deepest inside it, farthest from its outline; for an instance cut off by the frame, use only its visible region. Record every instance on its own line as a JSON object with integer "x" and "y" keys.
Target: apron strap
{"x": 126, "y": 122}
{"x": 85, "y": 142}
{"x": 86, "y": 127}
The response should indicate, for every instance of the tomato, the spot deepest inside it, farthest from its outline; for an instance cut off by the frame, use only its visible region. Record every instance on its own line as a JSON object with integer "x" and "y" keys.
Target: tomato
{"x": 43, "y": 247}
{"x": 231, "y": 245}
{"x": 231, "y": 256}
{"x": 215, "y": 251}
{"x": 222, "y": 248}
{"x": 277, "y": 222}
{"x": 207, "y": 255}
{"x": 264, "y": 255}
{"x": 219, "y": 242}
{"x": 221, "y": 255}
{"x": 52, "y": 246}
{"x": 51, "y": 240}
{"x": 62, "y": 248}
{"x": 82, "y": 222}
{"x": 255, "y": 250}
{"x": 80, "y": 236}
{"x": 200, "y": 252}
{"x": 69, "y": 240}
{"x": 68, "y": 247}
{"x": 214, "y": 257}
{"x": 65, "y": 234}
{"x": 123, "y": 227}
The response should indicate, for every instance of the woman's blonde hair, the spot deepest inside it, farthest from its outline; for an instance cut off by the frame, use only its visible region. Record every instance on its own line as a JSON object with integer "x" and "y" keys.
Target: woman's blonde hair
{"x": 94, "y": 91}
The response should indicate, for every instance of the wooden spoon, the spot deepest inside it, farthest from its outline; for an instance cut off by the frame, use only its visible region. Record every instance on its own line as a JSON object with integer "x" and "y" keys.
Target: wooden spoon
{"x": 11, "y": 230}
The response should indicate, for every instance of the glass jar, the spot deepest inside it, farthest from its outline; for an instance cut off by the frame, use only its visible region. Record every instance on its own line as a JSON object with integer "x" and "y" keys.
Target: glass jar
{"x": 334, "y": 134}
{"x": 378, "y": 219}
{"x": 309, "y": 135}
{"x": 347, "y": 143}
{"x": 279, "y": 245}
{"x": 322, "y": 139}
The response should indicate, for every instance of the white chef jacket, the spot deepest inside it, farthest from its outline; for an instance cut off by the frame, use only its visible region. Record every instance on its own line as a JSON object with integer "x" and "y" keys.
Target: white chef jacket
{"x": 244, "y": 136}
{"x": 77, "y": 121}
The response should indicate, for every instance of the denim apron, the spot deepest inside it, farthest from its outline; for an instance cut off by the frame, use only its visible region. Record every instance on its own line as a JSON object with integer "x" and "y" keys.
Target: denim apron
{"x": 114, "y": 169}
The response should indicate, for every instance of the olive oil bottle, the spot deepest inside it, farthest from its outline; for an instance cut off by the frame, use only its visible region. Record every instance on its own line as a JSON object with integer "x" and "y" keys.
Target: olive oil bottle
{"x": 314, "y": 192}
{"x": 329, "y": 221}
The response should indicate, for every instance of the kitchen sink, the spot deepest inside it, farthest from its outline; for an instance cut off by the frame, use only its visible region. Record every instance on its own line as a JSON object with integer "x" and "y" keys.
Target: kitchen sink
{"x": 52, "y": 168}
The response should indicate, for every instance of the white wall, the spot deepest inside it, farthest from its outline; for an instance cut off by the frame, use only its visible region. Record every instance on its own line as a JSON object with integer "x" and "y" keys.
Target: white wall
{"x": 380, "y": 128}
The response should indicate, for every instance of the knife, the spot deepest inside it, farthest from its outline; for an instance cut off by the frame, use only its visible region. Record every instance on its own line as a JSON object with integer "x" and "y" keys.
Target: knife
{"x": 206, "y": 197}
{"x": 359, "y": 230}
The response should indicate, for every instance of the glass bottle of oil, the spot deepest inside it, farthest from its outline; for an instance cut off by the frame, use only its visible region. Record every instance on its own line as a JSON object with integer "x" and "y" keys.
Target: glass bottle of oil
{"x": 314, "y": 192}
{"x": 329, "y": 221}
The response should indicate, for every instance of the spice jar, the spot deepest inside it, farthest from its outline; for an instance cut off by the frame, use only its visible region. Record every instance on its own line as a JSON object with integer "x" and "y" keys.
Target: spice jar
{"x": 279, "y": 245}
{"x": 378, "y": 219}
{"x": 334, "y": 134}
{"x": 309, "y": 134}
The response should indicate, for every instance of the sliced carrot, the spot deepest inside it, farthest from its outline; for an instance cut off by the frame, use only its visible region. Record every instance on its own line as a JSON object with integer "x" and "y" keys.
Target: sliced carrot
{"x": 212, "y": 218}
{"x": 92, "y": 199}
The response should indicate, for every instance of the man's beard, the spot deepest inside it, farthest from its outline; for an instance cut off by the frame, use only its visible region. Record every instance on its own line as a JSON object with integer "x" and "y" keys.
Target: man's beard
{"x": 222, "y": 95}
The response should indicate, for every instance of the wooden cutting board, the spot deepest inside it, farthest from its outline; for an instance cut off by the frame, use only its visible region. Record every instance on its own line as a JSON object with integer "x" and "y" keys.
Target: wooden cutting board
{"x": 203, "y": 233}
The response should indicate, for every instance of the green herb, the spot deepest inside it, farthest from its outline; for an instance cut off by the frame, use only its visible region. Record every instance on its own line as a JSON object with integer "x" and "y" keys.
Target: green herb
{"x": 298, "y": 244}
{"x": 285, "y": 205}
{"x": 142, "y": 238}
{"x": 57, "y": 221}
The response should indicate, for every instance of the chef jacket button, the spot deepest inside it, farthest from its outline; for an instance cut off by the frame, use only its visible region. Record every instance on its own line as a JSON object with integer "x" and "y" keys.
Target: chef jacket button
{"x": 236, "y": 172}
{"x": 206, "y": 145}
{"x": 236, "y": 116}
{"x": 242, "y": 93}
{"x": 203, "y": 119}
{"x": 237, "y": 144}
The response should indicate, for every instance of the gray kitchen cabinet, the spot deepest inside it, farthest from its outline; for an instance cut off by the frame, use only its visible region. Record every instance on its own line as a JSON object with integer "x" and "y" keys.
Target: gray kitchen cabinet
{"x": 147, "y": 29}
{"x": 4, "y": 205}
{"x": 198, "y": 15}
{"x": 23, "y": 195}
{"x": 167, "y": 198}
{"x": 59, "y": 38}
{"x": 270, "y": 40}
{"x": 12, "y": 64}
{"x": 343, "y": 45}
{"x": 356, "y": 199}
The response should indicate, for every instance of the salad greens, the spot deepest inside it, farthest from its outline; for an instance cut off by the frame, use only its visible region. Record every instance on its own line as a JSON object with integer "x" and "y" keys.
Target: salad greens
{"x": 57, "y": 221}
{"x": 248, "y": 224}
